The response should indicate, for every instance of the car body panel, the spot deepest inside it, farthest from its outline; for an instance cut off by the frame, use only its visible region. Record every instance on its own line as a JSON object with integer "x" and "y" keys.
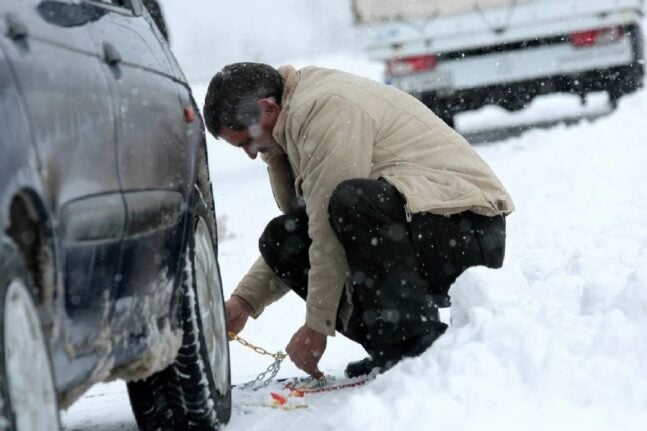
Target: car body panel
{"x": 153, "y": 156}
{"x": 78, "y": 163}
{"x": 15, "y": 142}
{"x": 98, "y": 136}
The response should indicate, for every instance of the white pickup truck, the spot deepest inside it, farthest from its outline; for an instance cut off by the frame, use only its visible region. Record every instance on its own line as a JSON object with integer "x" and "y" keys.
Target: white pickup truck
{"x": 463, "y": 54}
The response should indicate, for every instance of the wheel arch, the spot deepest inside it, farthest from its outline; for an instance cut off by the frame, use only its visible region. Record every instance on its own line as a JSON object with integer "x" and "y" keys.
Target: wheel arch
{"x": 14, "y": 268}
{"x": 29, "y": 227}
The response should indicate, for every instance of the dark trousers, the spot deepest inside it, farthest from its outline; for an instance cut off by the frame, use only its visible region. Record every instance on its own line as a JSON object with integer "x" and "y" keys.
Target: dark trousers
{"x": 400, "y": 270}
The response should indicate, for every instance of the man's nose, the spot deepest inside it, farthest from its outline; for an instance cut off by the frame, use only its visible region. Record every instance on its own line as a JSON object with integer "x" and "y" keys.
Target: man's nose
{"x": 251, "y": 151}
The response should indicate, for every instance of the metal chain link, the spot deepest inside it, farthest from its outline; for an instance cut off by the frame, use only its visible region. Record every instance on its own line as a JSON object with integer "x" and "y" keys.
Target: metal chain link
{"x": 263, "y": 380}
{"x": 279, "y": 356}
{"x": 266, "y": 377}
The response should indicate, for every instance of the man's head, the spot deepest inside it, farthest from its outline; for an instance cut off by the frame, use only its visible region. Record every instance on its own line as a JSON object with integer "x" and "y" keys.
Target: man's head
{"x": 242, "y": 105}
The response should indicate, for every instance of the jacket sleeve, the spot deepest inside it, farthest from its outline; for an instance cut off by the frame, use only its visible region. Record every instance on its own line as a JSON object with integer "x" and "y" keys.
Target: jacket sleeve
{"x": 260, "y": 287}
{"x": 334, "y": 140}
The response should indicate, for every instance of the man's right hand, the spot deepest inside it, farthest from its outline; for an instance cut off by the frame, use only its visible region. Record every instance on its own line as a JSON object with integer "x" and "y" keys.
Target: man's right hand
{"x": 237, "y": 312}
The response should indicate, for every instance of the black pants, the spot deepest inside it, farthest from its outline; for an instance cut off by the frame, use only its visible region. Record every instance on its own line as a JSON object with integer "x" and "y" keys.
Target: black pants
{"x": 399, "y": 269}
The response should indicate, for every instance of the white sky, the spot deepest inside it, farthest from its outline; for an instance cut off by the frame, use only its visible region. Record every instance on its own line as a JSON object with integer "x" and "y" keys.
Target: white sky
{"x": 208, "y": 34}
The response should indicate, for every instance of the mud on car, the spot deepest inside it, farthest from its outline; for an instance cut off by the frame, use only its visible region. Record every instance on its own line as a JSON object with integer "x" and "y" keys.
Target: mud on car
{"x": 108, "y": 247}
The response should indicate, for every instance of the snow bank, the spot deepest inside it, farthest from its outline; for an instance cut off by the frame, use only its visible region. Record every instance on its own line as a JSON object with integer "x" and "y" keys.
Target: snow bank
{"x": 556, "y": 339}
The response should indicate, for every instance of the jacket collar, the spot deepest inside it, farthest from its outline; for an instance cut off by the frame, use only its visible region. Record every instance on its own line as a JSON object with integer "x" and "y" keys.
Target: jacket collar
{"x": 290, "y": 80}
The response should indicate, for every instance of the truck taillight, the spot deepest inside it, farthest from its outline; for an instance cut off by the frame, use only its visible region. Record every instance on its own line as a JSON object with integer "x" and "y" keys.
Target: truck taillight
{"x": 596, "y": 37}
{"x": 405, "y": 65}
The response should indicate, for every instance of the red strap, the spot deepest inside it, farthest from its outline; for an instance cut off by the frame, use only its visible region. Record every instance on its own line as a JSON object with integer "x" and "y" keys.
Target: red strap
{"x": 279, "y": 398}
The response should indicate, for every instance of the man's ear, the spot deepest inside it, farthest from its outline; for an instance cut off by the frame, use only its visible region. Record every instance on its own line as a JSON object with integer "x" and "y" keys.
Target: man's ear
{"x": 269, "y": 110}
{"x": 267, "y": 105}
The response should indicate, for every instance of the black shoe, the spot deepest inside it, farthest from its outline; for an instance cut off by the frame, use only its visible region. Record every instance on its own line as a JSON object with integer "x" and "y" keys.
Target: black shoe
{"x": 442, "y": 300}
{"x": 364, "y": 367}
{"x": 410, "y": 349}
{"x": 418, "y": 346}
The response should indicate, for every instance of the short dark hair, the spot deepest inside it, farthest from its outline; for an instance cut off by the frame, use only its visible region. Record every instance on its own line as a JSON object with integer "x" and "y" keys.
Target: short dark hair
{"x": 233, "y": 93}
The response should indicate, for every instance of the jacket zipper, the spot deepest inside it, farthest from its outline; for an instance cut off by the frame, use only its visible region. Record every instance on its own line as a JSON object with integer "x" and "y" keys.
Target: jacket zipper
{"x": 407, "y": 213}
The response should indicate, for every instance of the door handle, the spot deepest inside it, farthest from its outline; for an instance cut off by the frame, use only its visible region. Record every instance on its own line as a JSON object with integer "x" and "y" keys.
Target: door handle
{"x": 110, "y": 55}
{"x": 16, "y": 29}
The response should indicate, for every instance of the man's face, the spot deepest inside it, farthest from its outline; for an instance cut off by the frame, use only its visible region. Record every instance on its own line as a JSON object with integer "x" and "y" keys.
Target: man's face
{"x": 252, "y": 140}
{"x": 258, "y": 137}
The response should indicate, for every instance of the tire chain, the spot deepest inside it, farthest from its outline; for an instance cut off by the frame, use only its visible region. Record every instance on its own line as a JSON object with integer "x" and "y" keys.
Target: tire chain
{"x": 266, "y": 377}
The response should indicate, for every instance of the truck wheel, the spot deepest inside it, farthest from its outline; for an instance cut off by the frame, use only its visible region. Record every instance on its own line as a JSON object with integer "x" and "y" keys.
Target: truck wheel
{"x": 449, "y": 120}
{"x": 27, "y": 395}
{"x": 442, "y": 108}
{"x": 194, "y": 393}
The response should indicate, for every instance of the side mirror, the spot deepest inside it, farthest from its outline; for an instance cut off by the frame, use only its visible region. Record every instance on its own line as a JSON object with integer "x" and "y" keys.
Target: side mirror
{"x": 136, "y": 6}
{"x": 65, "y": 14}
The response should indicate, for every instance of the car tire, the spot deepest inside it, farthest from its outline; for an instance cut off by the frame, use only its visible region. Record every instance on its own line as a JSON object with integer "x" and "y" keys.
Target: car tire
{"x": 28, "y": 399}
{"x": 194, "y": 393}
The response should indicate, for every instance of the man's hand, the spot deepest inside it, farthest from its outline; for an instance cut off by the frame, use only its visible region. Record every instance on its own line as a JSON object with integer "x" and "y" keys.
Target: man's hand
{"x": 237, "y": 311}
{"x": 306, "y": 348}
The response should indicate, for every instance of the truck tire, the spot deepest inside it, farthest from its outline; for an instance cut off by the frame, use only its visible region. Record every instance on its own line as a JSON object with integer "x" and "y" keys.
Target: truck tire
{"x": 27, "y": 393}
{"x": 441, "y": 107}
{"x": 194, "y": 393}
{"x": 449, "y": 120}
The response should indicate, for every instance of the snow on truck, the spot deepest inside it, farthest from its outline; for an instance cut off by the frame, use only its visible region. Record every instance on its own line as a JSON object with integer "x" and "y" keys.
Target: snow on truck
{"x": 463, "y": 54}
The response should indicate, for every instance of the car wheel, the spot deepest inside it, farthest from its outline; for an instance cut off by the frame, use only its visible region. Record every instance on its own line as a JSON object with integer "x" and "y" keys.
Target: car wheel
{"x": 194, "y": 393}
{"x": 27, "y": 395}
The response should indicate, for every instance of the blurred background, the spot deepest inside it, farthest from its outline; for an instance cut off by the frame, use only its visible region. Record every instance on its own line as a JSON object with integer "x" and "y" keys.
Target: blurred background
{"x": 208, "y": 34}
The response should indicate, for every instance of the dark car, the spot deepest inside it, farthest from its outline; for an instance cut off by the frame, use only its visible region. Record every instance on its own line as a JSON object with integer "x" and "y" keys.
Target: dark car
{"x": 108, "y": 248}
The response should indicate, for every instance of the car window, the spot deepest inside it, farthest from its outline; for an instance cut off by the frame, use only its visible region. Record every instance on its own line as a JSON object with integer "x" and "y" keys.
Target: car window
{"x": 120, "y": 3}
{"x": 124, "y": 4}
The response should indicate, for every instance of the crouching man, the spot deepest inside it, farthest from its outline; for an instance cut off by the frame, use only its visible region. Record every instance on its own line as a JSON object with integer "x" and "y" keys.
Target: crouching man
{"x": 383, "y": 204}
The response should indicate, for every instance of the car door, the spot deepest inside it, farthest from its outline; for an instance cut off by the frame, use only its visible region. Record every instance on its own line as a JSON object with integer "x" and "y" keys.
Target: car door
{"x": 154, "y": 162}
{"x": 66, "y": 96}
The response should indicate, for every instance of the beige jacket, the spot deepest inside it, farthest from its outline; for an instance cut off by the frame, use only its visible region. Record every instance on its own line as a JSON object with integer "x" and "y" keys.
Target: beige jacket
{"x": 335, "y": 126}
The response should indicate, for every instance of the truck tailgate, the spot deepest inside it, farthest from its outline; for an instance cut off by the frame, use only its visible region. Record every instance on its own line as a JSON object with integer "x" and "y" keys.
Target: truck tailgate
{"x": 498, "y": 25}
{"x": 372, "y": 11}
{"x": 508, "y": 67}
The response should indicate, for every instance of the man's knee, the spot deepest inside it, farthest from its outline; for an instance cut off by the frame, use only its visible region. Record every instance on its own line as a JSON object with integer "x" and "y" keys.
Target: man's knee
{"x": 353, "y": 197}
{"x": 268, "y": 240}
{"x": 284, "y": 234}
{"x": 346, "y": 195}
{"x": 343, "y": 198}
{"x": 360, "y": 200}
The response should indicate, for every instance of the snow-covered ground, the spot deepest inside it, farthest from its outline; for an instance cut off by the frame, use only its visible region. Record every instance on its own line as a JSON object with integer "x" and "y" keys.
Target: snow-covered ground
{"x": 556, "y": 339}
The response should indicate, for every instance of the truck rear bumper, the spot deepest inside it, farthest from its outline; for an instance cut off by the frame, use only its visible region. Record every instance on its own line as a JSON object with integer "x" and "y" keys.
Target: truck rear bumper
{"x": 511, "y": 78}
{"x": 518, "y": 65}
{"x": 513, "y": 96}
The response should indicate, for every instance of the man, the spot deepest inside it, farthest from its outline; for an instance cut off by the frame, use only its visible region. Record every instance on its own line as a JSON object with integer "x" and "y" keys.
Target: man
{"x": 384, "y": 206}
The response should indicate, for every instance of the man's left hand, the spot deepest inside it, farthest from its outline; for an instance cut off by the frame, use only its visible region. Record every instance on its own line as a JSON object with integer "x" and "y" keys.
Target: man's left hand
{"x": 306, "y": 348}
